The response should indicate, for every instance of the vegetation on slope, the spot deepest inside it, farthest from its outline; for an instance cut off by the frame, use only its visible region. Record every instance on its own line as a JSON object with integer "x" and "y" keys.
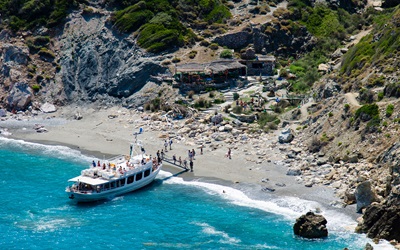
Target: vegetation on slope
{"x": 159, "y": 23}
{"x": 378, "y": 50}
{"x": 330, "y": 27}
{"x": 27, "y": 14}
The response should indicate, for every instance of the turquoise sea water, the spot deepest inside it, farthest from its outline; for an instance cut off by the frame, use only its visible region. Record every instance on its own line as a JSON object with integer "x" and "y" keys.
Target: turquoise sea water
{"x": 168, "y": 214}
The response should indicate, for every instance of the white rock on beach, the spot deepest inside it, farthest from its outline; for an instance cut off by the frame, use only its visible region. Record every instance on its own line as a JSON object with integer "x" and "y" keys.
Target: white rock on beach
{"x": 48, "y": 108}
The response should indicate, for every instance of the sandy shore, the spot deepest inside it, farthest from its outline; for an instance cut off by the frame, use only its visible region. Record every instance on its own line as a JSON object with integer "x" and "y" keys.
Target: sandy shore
{"x": 102, "y": 133}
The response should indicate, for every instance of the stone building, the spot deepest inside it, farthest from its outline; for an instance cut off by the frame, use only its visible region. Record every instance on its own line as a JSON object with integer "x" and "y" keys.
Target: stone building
{"x": 260, "y": 65}
{"x": 213, "y": 72}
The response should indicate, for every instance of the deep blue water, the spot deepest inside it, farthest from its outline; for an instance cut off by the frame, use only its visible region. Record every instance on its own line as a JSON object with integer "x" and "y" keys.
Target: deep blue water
{"x": 35, "y": 212}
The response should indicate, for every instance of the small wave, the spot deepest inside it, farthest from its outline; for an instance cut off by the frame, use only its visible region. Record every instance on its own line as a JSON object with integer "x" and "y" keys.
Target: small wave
{"x": 60, "y": 152}
{"x": 225, "y": 238}
{"x": 46, "y": 224}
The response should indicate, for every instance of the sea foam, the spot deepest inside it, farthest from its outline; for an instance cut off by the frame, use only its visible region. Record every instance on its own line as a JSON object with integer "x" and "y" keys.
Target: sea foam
{"x": 288, "y": 207}
{"x": 59, "y": 152}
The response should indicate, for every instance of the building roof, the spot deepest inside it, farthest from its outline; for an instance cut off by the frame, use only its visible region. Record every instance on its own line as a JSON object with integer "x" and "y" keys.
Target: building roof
{"x": 214, "y": 67}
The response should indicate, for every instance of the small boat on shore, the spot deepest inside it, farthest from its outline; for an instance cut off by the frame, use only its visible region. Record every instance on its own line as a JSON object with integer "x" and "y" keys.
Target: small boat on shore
{"x": 115, "y": 176}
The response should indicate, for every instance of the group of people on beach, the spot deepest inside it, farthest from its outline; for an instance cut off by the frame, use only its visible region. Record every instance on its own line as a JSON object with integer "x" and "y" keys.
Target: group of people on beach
{"x": 191, "y": 155}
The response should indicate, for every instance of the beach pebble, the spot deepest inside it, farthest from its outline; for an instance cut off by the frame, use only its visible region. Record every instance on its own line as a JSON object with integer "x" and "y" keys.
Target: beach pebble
{"x": 293, "y": 171}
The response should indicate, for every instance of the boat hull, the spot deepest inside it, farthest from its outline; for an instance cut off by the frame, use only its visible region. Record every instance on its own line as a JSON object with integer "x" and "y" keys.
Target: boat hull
{"x": 110, "y": 194}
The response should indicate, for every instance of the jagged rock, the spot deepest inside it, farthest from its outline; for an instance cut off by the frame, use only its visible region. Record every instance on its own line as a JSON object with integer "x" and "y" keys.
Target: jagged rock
{"x": 48, "y": 108}
{"x": 381, "y": 221}
{"x": 325, "y": 68}
{"x": 285, "y": 136}
{"x": 311, "y": 226}
{"x": 268, "y": 189}
{"x": 78, "y": 116}
{"x": 15, "y": 54}
{"x": 330, "y": 89}
{"x": 217, "y": 119}
{"x": 228, "y": 127}
{"x": 364, "y": 195}
{"x": 293, "y": 171}
{"x": 95, "y": 59}
{"x": 349, "y": 198}
{"x": 19, "y": 97}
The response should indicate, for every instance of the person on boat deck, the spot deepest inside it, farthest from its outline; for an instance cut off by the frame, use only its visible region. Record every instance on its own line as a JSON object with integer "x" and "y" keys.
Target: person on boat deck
{"x": 120, "y": 170}
{"x": 180, "y": 161}
{"x": 174, "y": 158}
{"x": 143, "y": 161}
{"x": 98, "y": 163}
{"x": 162, "y": 154}
{"x": 104, "y": 166}
{"x": 94, "y": 163}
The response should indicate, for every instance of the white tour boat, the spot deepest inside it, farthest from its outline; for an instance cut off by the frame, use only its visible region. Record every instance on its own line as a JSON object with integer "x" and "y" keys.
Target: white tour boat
{"x": 116, "y": 176}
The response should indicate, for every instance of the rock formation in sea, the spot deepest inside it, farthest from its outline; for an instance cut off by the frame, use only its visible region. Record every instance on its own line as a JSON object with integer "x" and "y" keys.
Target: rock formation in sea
{"x": 311, "y": 226}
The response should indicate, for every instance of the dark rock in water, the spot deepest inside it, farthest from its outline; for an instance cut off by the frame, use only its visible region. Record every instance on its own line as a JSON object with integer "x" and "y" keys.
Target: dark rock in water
{"x": 364, "y": 195}
{"x": 368, "y": 247}
{"x": 311, "y": 226}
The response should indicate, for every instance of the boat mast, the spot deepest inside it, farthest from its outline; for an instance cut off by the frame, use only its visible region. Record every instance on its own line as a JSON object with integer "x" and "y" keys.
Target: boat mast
{"x": 139, "y": 143}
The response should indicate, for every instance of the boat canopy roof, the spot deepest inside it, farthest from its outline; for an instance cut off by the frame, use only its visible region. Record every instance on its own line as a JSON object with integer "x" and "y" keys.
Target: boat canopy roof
{"x": 89, "y": 180}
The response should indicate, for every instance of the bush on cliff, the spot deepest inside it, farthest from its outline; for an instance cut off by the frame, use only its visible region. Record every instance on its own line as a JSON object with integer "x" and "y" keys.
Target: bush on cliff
{"x": 25, "y": 14}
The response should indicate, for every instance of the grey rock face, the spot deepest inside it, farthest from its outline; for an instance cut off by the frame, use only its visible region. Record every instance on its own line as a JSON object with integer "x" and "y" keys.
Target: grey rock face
{"x": 285, "y": 136}
{"x": 98, "y": 64}
{"x": 15, "y": 54}
{"x": 279, "y": 42}
{"x": 19, "y": 97}
{"x": 364, "y": 195}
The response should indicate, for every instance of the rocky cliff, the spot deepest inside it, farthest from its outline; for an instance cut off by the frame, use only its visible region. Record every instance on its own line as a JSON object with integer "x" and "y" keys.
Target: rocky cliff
{"x": 98, "y": 63}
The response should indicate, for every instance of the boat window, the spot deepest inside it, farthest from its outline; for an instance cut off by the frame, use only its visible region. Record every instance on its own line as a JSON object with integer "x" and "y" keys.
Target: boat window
{"x": 130, "y": 179}
{"x": 112, "y": 184}
{"x": 147, "y": 172}
{"x": 122, "y": 182}
{"x": 139, "y": 176}
{"x": 107, "y": 186}
{"x": 117, "y": 183}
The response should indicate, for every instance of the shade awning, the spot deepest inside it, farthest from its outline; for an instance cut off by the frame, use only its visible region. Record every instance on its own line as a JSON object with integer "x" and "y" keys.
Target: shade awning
{"x": 88, "y": 180}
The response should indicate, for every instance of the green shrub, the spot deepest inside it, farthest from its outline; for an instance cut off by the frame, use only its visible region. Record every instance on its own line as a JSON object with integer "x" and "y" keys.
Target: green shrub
{"x": 202, "y": 103}
{"x": 380, "y": 96}
{"x": 389, "y": 110}
{"x": 36, "y": 87}
{"x": 346, "y": 107}
{"x": 214, "y": 46}
{"x": 176, "y": 60}
{"x": 219, "y": 14}
{"x": 266, "y": 118}
{"x": 237, "y": 109}
{"x": 192, "y": 54}
{"x": 235, "y": 96}
{"x": 226, "y": 53}
{"x": 219, "y": 101}
{"x": 211, "y": 94}
{"x": 368, "y": 111}
{"x": 46, "y": 54}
